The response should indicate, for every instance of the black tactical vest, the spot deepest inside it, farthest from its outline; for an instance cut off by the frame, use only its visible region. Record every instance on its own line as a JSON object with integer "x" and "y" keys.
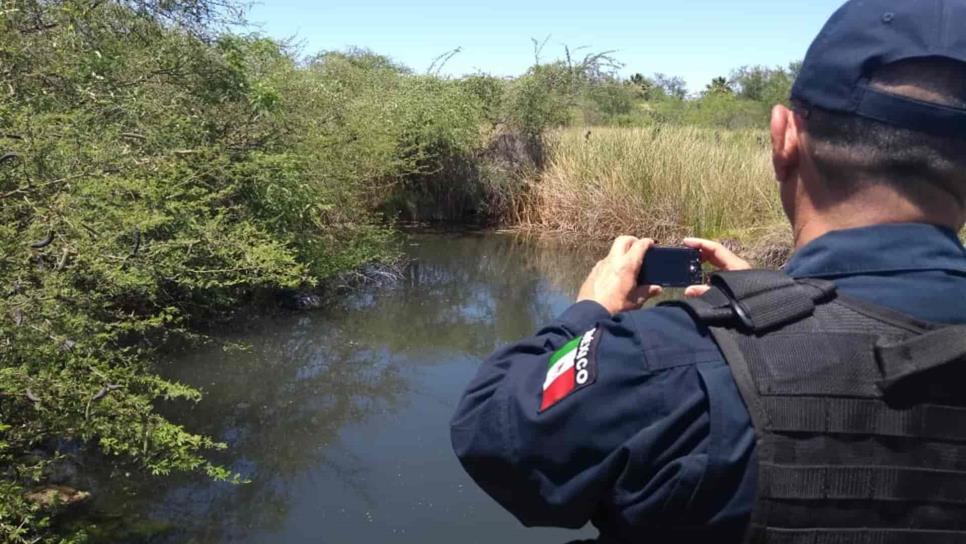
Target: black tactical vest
{"x": 859, "y": 412}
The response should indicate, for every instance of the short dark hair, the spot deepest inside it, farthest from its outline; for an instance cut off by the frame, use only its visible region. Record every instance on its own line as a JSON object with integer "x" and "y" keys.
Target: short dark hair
{"x": 852, "y": 152}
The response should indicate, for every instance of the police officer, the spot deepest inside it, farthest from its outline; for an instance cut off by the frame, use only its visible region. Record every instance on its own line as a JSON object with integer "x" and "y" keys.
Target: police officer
{"x": 822, "y": 404}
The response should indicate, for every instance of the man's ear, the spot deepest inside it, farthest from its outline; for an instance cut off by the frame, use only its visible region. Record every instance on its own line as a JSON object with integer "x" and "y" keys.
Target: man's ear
{"x": 785, "y": 142}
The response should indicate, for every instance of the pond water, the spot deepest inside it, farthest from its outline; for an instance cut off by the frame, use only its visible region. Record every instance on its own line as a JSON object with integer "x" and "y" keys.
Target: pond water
{"x": 339, "y": 418}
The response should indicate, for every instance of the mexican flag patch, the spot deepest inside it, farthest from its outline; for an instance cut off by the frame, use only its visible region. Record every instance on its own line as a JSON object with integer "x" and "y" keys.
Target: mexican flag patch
{"x": 571, "y": 368}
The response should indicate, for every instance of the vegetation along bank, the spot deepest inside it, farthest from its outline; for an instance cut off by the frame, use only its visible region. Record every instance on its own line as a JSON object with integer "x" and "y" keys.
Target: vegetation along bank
{"x": 160, "y": 169}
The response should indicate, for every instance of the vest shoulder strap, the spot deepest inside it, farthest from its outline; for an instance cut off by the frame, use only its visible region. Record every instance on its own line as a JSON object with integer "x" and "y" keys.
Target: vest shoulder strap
{"x": 902, "y": 361}
{"x": 760, "y": 301}
{"x": 757, "y": 300}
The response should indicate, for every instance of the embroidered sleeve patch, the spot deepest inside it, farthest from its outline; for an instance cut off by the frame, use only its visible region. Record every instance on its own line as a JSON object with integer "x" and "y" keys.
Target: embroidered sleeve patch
{"x": 571, "y": 368}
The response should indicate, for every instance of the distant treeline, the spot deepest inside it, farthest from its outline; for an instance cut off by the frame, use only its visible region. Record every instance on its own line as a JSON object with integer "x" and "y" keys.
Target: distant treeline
{"x": 160, "y": 170}
{"x": 740, "y": 101}
{"x": 591, "y": 92}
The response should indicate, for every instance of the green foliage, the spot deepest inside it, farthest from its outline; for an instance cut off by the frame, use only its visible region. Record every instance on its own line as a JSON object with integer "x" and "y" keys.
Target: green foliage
{"x": 491, "y": 93}
{"x": 162, "y": 175}
{"x": 172, "y": 170}
{"x": 762, "y": 84}
{"x": 541, "y": 98}
{"x": 609, "y": 101}
{"x": 713, "y": 110}
{"x": 400, "y": 139}
{"x": 742, "y": 101}
{"x": 547, "y": 94}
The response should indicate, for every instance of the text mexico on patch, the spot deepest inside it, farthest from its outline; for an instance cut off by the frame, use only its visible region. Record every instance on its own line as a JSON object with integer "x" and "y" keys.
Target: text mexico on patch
{"x": 571, "y": 368}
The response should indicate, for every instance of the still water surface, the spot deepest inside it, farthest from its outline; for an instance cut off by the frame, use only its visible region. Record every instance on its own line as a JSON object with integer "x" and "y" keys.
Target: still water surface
{"x": 340, "y": 417}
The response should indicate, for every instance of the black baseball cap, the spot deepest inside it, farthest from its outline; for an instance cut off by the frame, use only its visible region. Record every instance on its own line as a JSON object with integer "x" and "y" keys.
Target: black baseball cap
{"x": 864, "y": 35}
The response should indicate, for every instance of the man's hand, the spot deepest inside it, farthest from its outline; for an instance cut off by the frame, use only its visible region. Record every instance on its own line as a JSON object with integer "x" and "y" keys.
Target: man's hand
{"x": 719, "y": 256}
{"x": 613, "y": 282}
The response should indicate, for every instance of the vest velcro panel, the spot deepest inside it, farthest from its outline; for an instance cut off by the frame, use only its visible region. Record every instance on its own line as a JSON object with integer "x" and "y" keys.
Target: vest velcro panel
{"x": 855, "y": 536}
{"x": 825, "y": 415}
{"x": 857, "y": 482}
{"x": 858, "y": 411}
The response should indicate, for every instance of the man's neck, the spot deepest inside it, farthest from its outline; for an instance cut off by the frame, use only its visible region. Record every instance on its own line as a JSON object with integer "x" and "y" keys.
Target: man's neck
{"x": 878, "y": 208}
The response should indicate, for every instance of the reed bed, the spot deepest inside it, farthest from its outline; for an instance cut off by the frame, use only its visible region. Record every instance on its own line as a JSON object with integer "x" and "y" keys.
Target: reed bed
{"x": 664, "y": 182}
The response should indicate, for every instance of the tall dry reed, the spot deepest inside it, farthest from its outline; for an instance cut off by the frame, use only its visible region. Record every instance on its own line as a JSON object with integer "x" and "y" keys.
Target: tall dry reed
{"x": 662, "y": 181}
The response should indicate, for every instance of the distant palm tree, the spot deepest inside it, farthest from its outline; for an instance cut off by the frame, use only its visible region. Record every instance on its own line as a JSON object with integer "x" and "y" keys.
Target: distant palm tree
{"x": 646, "y": 86}
{"x": 719, "y": 85}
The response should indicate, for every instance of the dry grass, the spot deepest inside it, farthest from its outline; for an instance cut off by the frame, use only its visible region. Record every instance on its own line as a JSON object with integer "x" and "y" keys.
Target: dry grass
{"x": 664, "y": 182}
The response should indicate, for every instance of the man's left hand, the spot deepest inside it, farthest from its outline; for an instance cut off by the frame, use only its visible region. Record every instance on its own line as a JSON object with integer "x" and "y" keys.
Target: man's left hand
{"x": 613, "y": 281}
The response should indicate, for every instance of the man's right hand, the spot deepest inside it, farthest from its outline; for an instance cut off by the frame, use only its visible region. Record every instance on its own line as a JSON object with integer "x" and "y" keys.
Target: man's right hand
{"x": 613, "y": 281}
{"x": 718, "y": 256}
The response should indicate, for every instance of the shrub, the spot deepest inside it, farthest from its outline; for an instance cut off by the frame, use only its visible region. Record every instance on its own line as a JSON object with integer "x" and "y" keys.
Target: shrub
{"x": 161, "y": 174}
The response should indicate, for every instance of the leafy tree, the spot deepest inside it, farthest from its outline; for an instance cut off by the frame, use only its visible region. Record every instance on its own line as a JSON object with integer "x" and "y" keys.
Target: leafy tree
{"x": 543, "y": 97}
{"x": 673, "y": 86}
{"x": 610, "y": 100}
{"x": 762, "y": 84}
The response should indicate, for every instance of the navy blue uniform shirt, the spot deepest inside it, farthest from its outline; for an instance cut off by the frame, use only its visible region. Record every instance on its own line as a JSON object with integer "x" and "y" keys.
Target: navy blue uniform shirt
{"x": 631, "y": 451}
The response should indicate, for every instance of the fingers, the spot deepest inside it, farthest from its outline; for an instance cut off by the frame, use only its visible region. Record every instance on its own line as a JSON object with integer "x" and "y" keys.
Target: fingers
{"x": 640, "y": 295}
{"x": 696, "y": 291}
{"x": 621, "y": 246}
{"x": 716, "y": 254}
{"x": 634, "y": 257}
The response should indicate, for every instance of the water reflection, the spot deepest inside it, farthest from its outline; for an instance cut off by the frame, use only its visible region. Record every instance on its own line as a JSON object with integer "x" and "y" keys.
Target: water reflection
{"x": 339, "y": 418}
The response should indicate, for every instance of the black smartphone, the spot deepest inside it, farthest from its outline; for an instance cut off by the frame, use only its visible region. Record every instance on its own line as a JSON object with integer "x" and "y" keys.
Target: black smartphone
{"x": 671, "y": 267}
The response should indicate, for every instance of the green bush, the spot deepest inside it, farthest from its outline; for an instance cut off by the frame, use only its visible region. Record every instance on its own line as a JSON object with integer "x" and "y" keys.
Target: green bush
{"x": 491, "y": 92}
{"x": 540, "y": 99}
{"x": 718, "y": 110}
{"x": 607, "y": 103}
{"x": 161, "y": 176}
{"x": 164, "y": 171}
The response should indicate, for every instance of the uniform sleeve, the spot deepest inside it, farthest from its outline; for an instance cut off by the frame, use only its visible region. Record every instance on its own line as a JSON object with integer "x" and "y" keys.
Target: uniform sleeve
{"x": 555, "y": 467}
{"x": 660, "y": 439}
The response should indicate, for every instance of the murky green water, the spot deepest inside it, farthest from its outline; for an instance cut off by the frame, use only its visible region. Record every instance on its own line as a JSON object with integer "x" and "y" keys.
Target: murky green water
{"x": 340, "y": 417}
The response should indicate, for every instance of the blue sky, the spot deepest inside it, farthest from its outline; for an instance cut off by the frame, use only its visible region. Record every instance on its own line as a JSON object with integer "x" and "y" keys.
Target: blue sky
{"x": 694, "y": 39}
